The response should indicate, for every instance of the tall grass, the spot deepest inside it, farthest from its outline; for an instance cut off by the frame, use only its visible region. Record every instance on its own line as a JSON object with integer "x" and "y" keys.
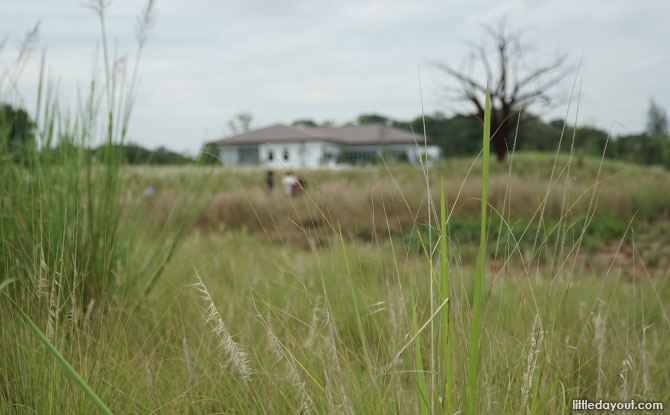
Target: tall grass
{"x": 446, "y": 329}
{"x": 475, "y": 331}
{"x": 352, "y": 319}
{"x": 66, "y": 365}
{"x": 68, "y": 236}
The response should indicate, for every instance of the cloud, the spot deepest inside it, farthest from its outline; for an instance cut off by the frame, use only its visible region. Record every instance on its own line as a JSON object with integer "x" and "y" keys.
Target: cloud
{"x": 208, "y": 60}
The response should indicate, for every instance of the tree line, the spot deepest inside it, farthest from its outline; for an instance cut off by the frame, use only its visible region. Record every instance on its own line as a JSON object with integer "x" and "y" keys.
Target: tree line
{"x": 457, "y": 136}
{"x": 17, "y": 138}
{"x": 460, "y": 135}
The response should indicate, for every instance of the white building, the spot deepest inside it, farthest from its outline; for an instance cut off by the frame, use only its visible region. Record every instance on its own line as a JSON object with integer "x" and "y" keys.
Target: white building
{"x": 281, "y": 146}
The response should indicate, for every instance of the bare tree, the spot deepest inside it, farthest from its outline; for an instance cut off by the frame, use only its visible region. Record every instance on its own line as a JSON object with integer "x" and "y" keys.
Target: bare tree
{"x": 512, "y": 80}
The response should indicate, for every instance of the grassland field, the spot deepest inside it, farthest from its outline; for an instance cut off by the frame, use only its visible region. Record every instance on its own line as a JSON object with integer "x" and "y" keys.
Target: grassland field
{"x": 326, "y": 302}
{"x": 464, "y": 287}
{"x": 391, "y": 201}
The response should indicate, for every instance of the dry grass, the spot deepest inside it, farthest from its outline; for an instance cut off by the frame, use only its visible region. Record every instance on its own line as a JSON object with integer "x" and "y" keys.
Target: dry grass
{"x": 367, "y": 201}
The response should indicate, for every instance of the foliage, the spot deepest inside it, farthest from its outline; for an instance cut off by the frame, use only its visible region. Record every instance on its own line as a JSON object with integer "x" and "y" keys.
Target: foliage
{"x": 456, "y": 136}
{"x": 603, "y": 229}
{"x": 367, "y": 119}
{"x": 17, "y": 131}
{"x": 657, "y": 119}
{"x": 304, "y": 122}
{"x": 209, "y": 154}
{"x": 136, "y": 154}
{"x": 643, "y": 149}
{"x": 241, "y": 123}
{"x": 307, "y": 122}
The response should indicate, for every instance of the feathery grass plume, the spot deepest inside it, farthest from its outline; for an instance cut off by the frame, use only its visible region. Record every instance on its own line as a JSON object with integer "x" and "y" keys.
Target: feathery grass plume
{"x": 42, "y": 282}
{"x": 74, "y": 313}
{"x": 306, "y": 403}
{"x": 145, "y": 21}
{"x": 237, "y": 356}
{"x": 274, "y": 345}
{"x": 11, "y": 75}
{"x": 599, "y": 343}
{"x": 187, "y": 360}
{"x": 528, "y": 378}
{"x": 330, "y": 350}
{"x": 311, "y": 335}
{"x": 626, "y": 366}
{"x": 54, "y": 306}
{"x": 97, "y": 6}
{"x": 89, "y": 311}
{"x": 150, "y": 381}
{"x": 645, "y": 366}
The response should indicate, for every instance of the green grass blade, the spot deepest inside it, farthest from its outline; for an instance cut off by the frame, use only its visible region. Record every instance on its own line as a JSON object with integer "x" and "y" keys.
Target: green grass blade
{"x": 475, "y": 331}
{"x": 359, "y": 323}
{"x": 445, "y": 329}
{"x": 68, "y": 368}
{"x": 420, "y": 379}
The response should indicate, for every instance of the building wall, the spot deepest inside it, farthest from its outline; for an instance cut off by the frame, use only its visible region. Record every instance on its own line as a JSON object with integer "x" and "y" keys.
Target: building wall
{"x": 319, "y": 154}
{"x": 291, "y": 155}
{"x": 229, "y": 155}
{"x": 330, "y": 152}
{"x": 239, "y": 155}
{"x": 433, "y": 153}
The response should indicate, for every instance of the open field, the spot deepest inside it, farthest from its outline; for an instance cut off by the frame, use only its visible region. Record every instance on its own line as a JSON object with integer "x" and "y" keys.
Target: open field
{"x": 387, "y": 201}
{"x": 329, "y": 302}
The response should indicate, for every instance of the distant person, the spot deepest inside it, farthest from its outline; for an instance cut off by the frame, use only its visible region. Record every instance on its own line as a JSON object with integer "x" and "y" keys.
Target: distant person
{"x": 290, "y": 183}
{"x": 269, "y": 181}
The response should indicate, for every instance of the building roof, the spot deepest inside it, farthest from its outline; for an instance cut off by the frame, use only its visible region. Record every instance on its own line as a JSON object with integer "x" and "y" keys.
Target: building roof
{"x": 350, "y": 135}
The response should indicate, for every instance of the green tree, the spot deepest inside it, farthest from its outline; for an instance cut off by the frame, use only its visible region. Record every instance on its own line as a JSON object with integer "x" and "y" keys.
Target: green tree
{"x": 656, "y": 143}
{"x": 589, "y": 141}
{"x": 241, "y": 123}
{"x": 132, "y": 153}
{"x": 17, "y": 131}
{"x": 209, "y": 154}
{"x": 535, "y": 135}
{"x": 456, "y": 136}
{"x": 305, "y": 122}
{"x": 367, "y": 119}
{"x": 657, "y": 119}
{"x": 308, "y": 122}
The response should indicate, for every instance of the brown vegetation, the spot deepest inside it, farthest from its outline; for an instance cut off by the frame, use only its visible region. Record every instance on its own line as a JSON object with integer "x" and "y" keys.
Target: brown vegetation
{"x": 369, "y": 202}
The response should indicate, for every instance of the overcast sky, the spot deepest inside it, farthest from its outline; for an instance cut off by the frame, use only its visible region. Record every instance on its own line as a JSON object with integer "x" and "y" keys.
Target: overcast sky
{"x": 333, "y": 60}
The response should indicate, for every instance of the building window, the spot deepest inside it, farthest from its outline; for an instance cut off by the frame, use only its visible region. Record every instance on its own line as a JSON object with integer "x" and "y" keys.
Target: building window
{"x": 362, "y": 156}
{"x": 285, "y": 154}
{"x": 271, "y": 155}
{"x": 248, "y": 155}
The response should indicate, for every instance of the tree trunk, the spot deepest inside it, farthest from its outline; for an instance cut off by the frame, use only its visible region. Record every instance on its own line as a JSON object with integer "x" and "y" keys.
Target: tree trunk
{"x": 500, "y": 132}
{"x": 500, "y": 144}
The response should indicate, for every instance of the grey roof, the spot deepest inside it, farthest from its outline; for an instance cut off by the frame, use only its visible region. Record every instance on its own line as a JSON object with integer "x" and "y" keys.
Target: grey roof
{"x": 350, "y": 135}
